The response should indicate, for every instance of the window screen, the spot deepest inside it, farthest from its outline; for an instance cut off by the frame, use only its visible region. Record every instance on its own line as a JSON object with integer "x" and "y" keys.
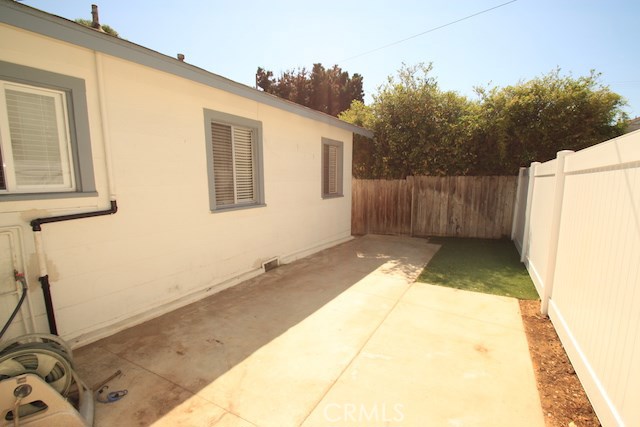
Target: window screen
{"x": 45, "y": 138}
{"x": 233, "y": 164}
{"x": 331, "y": 168}
{"x": 234, "y": 161}
{"x": 35, "y": 141}
{"x": 223, "y": 164}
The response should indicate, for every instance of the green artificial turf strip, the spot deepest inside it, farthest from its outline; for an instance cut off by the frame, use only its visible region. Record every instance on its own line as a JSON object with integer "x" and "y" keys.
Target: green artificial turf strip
{"x": 480, "y": 265}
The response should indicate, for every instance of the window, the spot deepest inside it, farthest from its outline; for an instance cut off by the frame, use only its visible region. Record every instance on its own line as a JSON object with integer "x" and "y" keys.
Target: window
{"x": 45, "y": 150}
{"x": 332, "y": 153}
{"x": 35, "y": 140}
{"x": 234, "y": 159}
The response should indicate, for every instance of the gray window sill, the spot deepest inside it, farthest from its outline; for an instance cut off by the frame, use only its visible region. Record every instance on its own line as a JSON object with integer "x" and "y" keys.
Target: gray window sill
{"x": 45, "y": 196}
{"x": 238, "y": 208}
{"x": 332, "y": 196}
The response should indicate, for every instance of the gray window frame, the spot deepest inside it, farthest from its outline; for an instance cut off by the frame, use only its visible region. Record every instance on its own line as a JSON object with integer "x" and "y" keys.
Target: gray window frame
{"x": 78, "y": 119}
{"x": 340, "y": 177}
{"x": 233, "y": 120}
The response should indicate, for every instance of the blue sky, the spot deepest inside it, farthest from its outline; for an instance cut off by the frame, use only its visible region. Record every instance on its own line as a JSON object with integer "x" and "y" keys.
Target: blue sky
{"x": 515, "y": 42}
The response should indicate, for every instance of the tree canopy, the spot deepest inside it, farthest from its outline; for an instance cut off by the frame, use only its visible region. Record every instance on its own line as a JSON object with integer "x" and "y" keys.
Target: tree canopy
{"x": 106, "y": 28}
{"x": 328, "y": 90}
{"x": 422, "y": 130}
{"x": 533, "y": 120}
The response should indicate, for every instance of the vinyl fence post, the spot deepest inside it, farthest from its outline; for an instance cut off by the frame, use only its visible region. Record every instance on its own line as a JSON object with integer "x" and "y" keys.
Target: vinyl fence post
{"x": 516, "y": 207}
{"x": 527, "y": 213}
{"x": 554, "y": 232}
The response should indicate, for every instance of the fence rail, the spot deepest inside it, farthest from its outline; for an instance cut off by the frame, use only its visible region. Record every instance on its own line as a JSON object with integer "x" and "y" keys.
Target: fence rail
{"x": 457, "y": 206}
{"x": 579, "y": 236}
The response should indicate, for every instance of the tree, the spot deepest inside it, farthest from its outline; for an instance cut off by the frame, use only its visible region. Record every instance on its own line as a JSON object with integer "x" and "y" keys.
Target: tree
{"x": 422, "y": 130}
{"x": 364, "y": 149}
{"x": 264, "y": 79}
{"x": 328, "y": 90}
{"x": 534, "y": 120}
{"x": 418, "y": 127}
{"x": 106, "y": 28}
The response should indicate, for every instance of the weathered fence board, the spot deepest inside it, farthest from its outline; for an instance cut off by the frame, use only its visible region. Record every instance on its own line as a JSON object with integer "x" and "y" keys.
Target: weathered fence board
{"x": 461, "y": 206}
{"x": 393, "y": 199}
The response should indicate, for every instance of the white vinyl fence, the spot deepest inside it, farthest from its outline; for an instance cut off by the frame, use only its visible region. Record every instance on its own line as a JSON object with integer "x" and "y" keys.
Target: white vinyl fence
{"x": 577, "y": 227}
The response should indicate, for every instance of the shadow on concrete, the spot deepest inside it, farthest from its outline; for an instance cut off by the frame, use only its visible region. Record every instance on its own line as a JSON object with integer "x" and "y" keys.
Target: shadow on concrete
{"x": 193, "y": 346}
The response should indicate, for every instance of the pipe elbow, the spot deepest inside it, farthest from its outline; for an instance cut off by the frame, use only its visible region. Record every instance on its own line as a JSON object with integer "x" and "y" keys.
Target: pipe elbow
{"x": 35, "y": 225}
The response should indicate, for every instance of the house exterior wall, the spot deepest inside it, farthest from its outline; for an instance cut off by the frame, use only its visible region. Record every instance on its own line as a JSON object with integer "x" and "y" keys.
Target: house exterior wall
{"x": 164, "y": 247}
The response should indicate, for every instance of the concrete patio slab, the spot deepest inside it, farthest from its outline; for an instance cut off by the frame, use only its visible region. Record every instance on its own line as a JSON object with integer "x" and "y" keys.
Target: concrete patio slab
{"x": 438, "y": 367}
{"x": 343, "y": 337}
{"x": 157, "y": 401}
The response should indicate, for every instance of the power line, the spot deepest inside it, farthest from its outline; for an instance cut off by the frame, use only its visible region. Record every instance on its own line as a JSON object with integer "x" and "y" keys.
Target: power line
{"x": 427, "y": 31}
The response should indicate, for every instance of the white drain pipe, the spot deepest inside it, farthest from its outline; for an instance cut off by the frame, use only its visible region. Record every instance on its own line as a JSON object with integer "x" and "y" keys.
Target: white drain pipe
{"x": 104, "y": 119}
{"x": 36, "y": 223}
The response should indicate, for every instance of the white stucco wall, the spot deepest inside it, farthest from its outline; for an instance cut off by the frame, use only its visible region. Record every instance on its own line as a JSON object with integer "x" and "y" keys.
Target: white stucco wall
{"x": 164, "y": 247}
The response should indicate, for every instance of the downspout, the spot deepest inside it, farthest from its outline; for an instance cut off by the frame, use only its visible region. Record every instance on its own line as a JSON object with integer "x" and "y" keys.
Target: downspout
{"x": 36, "y": 224}
{"x": 104, "y": 120}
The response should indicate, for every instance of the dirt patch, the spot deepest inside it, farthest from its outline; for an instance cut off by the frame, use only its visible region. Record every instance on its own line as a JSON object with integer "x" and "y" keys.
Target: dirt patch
{"x": 563, "y": 399}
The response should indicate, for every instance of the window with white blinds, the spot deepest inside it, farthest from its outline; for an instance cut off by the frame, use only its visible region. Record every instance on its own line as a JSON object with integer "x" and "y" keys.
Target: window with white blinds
{"x": 35, "y": 143}
{"x": 243, "y": 157}
{"x": 331, "y": 168}
{"x": 235, "y": 163}
{"x": 222, "y": 146}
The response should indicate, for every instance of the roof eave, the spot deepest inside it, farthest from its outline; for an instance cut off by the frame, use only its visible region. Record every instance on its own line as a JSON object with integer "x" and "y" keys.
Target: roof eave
{"x": 40, "y": 22}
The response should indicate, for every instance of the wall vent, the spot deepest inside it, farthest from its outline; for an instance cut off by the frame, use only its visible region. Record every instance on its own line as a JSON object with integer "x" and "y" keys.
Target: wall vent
{"x": 271, "y": 264}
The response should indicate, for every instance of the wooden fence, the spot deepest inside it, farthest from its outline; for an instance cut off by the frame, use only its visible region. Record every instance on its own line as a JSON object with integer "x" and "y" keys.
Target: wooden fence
{"x": 460, "y": 206}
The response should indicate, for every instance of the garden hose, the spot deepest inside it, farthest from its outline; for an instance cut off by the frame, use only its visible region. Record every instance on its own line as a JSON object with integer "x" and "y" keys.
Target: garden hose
{"x": 19, "y": 278}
